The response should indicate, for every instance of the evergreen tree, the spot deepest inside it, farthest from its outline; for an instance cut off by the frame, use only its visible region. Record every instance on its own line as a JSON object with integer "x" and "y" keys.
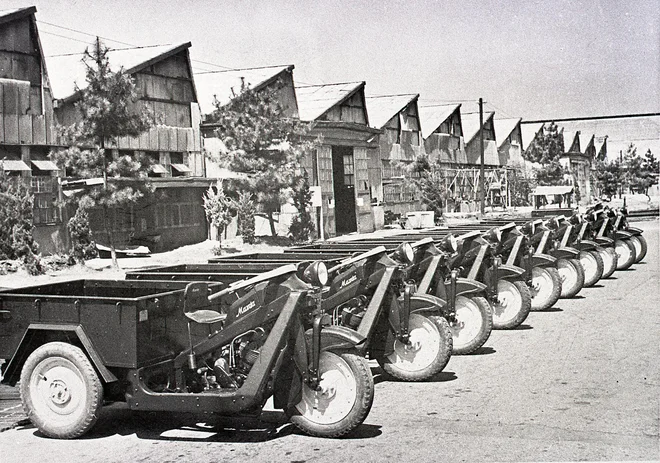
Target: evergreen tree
{"x": 217, "y": 208}
{"x": 302, "y": 227}
{"x": 108, "y": 110}
{"x": 427, "y": 179}
{"x": 262, "y": 143}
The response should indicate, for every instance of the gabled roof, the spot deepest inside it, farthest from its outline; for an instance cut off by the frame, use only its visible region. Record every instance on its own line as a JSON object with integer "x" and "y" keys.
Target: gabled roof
{"x": 431, "y": 117}
{"x": 471, "y": 124}
{"x": 384, "y": 107}
{"x": 67, "y": 71}
{"x": 569, "y": 139}
{"x": 529, "y": 133}
{"x": 585, "y": 141}
{"x": 16, "y": 13}
{"x": 504, "y": 127}
{"x": 224, "y": 84}
{"x": 316, "y": 100}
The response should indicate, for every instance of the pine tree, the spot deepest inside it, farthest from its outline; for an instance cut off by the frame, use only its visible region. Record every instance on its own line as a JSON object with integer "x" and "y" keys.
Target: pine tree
{"x": 302, "y": 226}
{"x": 217, "y": 208}
{"x": 108, "y": 110}
{"x": 262, "y": 143}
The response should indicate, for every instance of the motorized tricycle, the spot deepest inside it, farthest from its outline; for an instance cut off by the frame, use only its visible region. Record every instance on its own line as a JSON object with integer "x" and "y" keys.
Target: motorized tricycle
{"x": 184, "y": 347}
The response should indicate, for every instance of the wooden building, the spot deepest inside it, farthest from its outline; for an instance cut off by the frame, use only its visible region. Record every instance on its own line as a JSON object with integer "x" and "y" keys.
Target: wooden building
{"x": 579, "y": 152}
{"x": 443, "y": 134}
{"x": 27, "y": 128}
{"x": 529, "y": 132}
{"x": 509, "y": 142}
{"x": 471, "y": 130}
{"x": 173, "y": 216}
{"x": 340, "y": 164}
{"x": 399, "y": 145}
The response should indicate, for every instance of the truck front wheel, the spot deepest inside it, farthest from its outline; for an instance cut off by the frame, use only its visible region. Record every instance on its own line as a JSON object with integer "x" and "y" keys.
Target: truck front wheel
{"x": 61, "y": 392}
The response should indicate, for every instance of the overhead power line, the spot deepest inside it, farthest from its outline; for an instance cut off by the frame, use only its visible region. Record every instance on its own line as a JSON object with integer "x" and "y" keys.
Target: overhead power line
{"x": 592, "y": 118}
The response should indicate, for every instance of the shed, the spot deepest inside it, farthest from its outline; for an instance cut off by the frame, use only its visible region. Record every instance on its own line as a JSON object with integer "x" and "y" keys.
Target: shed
{"x": 471, "y": 130}
{"x": 509, "y": 141}
{"x": 443, "y": 133}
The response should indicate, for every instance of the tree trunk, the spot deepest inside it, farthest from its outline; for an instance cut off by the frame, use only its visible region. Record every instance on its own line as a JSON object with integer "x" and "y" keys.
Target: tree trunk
{"x": 271, "y": 221}
{"x": 111, "y": 239}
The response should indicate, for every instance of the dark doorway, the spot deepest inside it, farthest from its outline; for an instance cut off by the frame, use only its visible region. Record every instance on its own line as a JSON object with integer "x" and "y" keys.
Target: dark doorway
{"x": 343, "y": 174}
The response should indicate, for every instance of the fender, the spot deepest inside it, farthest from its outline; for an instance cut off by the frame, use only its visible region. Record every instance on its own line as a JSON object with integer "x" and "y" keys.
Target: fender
{"x": 585, "y": 245}
{"x": 426, "y": 303}
{"x": 335, "y": 337}
{"x": 467, "y": 286}
{"x": 543, "y": 260}
{"x": 623, "y": 235}
{"x": 565, "y": 253}
{"x": 510, "y": 272}
{"x": 634, "y": 231}
{"x": 604, "y": 241}
{"x": 39, "y": 334}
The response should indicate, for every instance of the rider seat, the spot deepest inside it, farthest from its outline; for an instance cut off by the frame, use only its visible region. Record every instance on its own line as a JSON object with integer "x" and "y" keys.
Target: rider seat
{"x": 196, "y": 305}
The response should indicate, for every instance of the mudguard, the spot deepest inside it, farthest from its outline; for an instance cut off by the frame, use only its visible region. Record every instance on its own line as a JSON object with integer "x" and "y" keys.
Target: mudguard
{"x": 565, "y": 253}
{"x": 585, "y": 245}
{"x": 427, "y": 304}
{"x": 509, "y": 272}
{"x": 543, "y": 260}
{"x": 467, "y": 286}
{"x": 334, "y": 337}
{"x": 634, "y": 231}
{"x": 604, "y": 241}
{"x": 623, "y": 235}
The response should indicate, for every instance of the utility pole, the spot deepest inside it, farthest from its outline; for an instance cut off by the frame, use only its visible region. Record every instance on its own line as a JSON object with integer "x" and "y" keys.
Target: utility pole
{"x": 482, "y": 191}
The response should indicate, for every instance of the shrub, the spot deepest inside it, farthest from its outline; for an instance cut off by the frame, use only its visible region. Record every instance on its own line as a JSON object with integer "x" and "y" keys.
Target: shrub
{"x": 83, "y": 246}
{"x": 245, "y": 209}
{"x": 302, "y": 227}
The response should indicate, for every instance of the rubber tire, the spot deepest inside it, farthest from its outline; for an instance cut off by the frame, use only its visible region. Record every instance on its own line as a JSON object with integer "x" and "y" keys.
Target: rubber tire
{"x": 525, "y": 305}
{"x": 74, "y": 360}
{"x": 625, "y": 264}
{"x": 574, "y": 266}
{"x": 438, "y": 363}
{"x": 364, "y": 383}
{"x": 640, "y": 247}
{"x": 608, "y": 255}
{"x": 591, "y": 278}
{"x": 481, "y": 305}
{"x": 555, "y": 292}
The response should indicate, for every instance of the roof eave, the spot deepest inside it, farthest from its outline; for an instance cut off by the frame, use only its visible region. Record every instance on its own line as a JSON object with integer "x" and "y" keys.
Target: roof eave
{"x": 18, "y": 14}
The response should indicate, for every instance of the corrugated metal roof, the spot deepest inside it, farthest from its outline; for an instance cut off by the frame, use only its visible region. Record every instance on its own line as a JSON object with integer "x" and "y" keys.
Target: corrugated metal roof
{"x": 431, "y": 117}
{"x": 383, "y": 108}
{"x": 504, "y": 127}
{"x": 529, "y": 132}
{"x": 471, "y": 124}
{"x": 224, "y": 84}
{"x": 14, "y": 165}
{"x": 67, "y": 71}
{"x": 316, "y": 100}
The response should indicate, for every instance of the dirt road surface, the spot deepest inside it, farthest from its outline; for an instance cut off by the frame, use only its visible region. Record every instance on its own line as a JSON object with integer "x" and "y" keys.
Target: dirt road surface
{"x": 579, "y": 382}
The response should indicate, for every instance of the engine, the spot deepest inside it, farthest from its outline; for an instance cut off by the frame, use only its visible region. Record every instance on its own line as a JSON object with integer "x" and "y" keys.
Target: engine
{"x": 230, "y": 366}
{"x": 350, "y": 313}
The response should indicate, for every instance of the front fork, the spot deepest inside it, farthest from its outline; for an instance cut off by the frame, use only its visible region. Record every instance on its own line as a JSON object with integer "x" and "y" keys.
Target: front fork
{"x": 493, "y": 279}
{"x": 312, "y": 376}
{"x": 400, "y": 314}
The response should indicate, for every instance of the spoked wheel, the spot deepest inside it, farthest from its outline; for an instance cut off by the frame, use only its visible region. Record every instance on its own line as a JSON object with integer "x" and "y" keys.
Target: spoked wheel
{"x": 474, "y": 322}
{"x": 625, "y": 251}
{"x": 572, "y": 277}
{"x": 60, "y": 390}
{"x": 342, "y": 401}
{"x": 426, "y": 353}
{"x": 592, "y": 264}
{"x": 610, "y": 259}
{"x": 513, "y": 304}
{"x": 546, "y": 287}
{"x": 639, "y": 242}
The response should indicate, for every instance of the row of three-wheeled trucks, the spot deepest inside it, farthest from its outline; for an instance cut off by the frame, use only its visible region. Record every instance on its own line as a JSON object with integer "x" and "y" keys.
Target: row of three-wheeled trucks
{"x": 297, "y": 327}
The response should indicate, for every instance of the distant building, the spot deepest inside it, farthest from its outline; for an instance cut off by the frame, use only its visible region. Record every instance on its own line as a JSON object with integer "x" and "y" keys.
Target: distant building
{"x": 399, "y": 145}
{"x": 579, "y": 152}
{"x": 509, "y": 142}
{"x": 471, "y": 130}
{"x": 443, "y": 134}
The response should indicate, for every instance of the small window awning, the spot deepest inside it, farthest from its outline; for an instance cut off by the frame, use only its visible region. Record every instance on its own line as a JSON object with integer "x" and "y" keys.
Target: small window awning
{"x": 10, "y": 165}
{"x": 159, "y": 169}
{"x": 182, "y": 168}
{"x": 45, "y": 165}
{"x": 553, "y": 190}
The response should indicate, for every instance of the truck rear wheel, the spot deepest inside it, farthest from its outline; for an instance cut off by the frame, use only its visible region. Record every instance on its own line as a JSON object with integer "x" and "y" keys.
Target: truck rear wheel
{"x": 61, "y": 392}
{"x": 343, "y": 400}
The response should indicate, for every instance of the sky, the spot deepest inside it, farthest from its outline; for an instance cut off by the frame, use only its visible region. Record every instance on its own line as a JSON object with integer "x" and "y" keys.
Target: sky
{"x": 526, "y": 58}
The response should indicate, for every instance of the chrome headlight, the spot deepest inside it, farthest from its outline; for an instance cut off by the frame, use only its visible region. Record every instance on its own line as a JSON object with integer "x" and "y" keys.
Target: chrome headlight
{"x": 316, "y": 274}
{"x": 404, "y": 253}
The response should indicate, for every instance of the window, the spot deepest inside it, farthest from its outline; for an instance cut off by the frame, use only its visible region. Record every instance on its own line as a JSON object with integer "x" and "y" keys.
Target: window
{"x": 349, "y": 170}
{"x": 44, "y": 209}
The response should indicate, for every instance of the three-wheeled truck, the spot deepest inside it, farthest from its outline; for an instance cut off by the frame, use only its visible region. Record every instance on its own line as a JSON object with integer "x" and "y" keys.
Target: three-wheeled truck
{"x": 185, "y": 347}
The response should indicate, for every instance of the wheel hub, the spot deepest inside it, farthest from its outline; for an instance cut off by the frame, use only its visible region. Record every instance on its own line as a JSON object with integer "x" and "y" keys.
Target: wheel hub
{"x": 59, "y": 392}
